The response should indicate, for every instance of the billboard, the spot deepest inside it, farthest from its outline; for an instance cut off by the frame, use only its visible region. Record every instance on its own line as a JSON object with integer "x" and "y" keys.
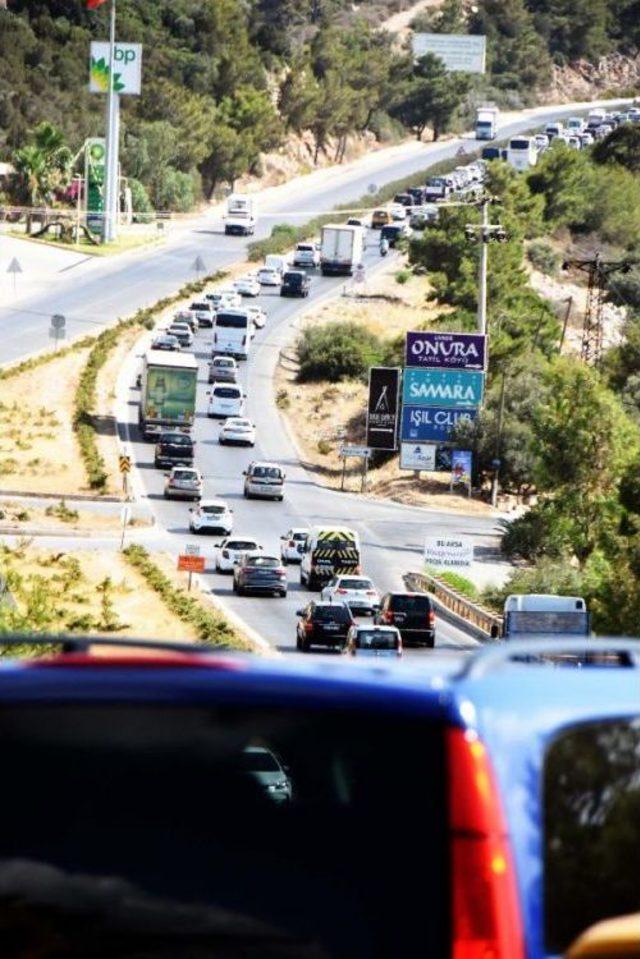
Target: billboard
{"x": 446, "y": 351}
{"x": 432, "y": 423}
{"x": 465, "y": 53}
{"x": 127, "y": 71}
{"x": 418, "y": 456}
{"x": 382, "y": 408}
{"x": 95, "y": 158}
{"x": 448, "y": 388}
{"x": 461, "y": 463}
{"x": 448, "y": 552}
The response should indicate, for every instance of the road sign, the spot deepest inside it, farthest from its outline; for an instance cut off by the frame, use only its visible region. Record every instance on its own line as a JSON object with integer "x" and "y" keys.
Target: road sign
{"x": 464, "y": 53}
{"x": 432, "y": 423}
{"x": 382, "y": 408}
{"x": 191, "y": 564}
{"x": 461, "y": 152}
{"x": 125, "y": 464}
{"x": 456, "y": 389}
{"x": 448, "y": 552}
{"x": 58, "y": 321}
{"x": 199, "y": 265}
{"x": 372, "y": 188}
{"x": 191, "y": 549}
{"x": 461, "y": 462}
{"x": 56, "y": 334}
{"x": 125, "y": 515}
{"x": 418, "y": 456}
{"x": 127, "y": 69}
{"x": 14, "y": 268}
{"x": 359, "y": 273}
{"x": 435, "y": 350}
{"x": 355, "y": 451}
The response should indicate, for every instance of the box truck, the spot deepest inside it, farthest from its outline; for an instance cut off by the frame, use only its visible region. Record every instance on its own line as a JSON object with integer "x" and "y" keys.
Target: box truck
{"x": 167, "y": 391}
{"x": 487, "y": 122}
{"x": 340, "y": 249}
{"x": 240, "y": 218}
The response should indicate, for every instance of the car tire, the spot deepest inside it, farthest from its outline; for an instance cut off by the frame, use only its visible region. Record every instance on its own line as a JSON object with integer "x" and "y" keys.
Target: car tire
{"x": 239, "y": 590}
{"x": 298, "y": 643}
{"x": 283, "y": 594}
{"x": 279, "y": 498}
{"x": 303, "y": 578}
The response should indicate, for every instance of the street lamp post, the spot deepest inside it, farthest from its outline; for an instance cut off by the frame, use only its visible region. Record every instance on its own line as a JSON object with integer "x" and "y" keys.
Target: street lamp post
{"x": 111, "y": 170}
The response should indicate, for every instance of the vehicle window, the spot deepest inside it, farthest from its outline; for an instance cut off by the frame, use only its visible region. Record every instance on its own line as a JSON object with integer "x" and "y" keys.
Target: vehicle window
{"x": 213, "y": 510}
{"x": 336, "y": 542}
{"x": 219, "y": 361}
{"x": 592, "y": 828}
{"x": 184, "y": 474}
{"x": 313, "y": 871}
{"x": 270, "y": 561}
{"x": 267, "y": 472}
{"x": 241, "y": 544}
{"x": 200, "y": 306}
{"x": 410, "y": 604}
{"x": 372, "y": 639}
{"x": 232, "y": 321}
{"x": 348, "y": 583}
{"x": 299, "y": 537}
{"x": 227, "y": 392}
{"x": 259, "y": 760}
{"x": 332, "y": 614}
{"x": 176, "y": 439}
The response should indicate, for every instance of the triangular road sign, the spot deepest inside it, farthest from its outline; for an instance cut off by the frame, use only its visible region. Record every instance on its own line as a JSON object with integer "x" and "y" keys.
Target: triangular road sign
{"x": 199, "y": 265}
{"x": 14, "y": 266}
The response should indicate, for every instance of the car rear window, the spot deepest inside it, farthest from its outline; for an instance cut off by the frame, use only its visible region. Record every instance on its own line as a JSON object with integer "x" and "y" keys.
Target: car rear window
{"x": 176, "y": 439}
{"x": 267, "y": 472}
{"x": 331, "y": 614}
{"x": 219, "y": 361}
{"x": 232, "y": 321}
{"x": 329, "y": 872}
{"x": 355, "y": 584}
{"x": 269, "y": 561}
{"x": 213, "y": 510}
{"x": 227, "y": 392}
{"x": 376, "y": 639}
{"x": 241, "y": 544}
{"x": 410, "y": 604}
{"x": 591, "y": 828}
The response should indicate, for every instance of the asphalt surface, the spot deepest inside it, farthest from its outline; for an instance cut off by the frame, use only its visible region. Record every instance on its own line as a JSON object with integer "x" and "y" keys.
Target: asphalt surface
{"x": 392, "y": 535}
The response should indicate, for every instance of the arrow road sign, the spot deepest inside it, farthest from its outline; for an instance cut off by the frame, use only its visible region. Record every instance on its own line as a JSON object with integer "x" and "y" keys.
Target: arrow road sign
{"x": 125, "y": 464}
{"x": 15, "y": 268}
{"x": 199, "y": 265}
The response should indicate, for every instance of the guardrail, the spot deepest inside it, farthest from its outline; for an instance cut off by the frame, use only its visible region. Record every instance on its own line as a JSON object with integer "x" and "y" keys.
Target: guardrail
{"x": 481, "y": 622}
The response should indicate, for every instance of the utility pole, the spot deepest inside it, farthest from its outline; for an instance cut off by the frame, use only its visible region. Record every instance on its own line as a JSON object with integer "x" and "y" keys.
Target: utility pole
{"x": 111, "y": 170}
{"x": 495, "y": 483}
{"x": 598, "y": 272}
{"x": 484, "y": 232}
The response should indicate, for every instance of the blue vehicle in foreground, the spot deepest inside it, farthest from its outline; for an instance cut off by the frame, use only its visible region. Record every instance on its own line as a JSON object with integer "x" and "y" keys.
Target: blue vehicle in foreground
{"x": 476, "y": 807}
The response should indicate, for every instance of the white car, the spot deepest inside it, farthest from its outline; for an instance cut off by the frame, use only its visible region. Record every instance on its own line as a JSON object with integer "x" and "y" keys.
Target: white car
{"x": 211, "y": 516}
{"x": 232, "y": 549}
{"x": 398, "y": 212}
{"x": 237, "y": 430}
{"x": 182, "y": 332}
{"x": 247, "y": 286}
{"x": 258, "y": 316}
{"x": 307, "y": 255}
{"x": 203, "y": 312}
{"x": 269, "y": 277}
{"x": 541, "y": 141}
{"x": 291, "y": 543}
{"x": 223, "y": 369}
{"x": 224, "y": 299}
{"x": 183, "y": 482}
{"x": 225, "y": 399}
{"x": 358, "y": 592}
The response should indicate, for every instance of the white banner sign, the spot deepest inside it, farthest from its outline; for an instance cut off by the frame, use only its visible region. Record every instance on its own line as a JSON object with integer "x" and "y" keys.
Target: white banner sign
{"x": 418, "y": 456}
{"x": 465, "y": 53}
{"x": 127, "y": 69}
{"x": 363, "y": 451}
{"x": 448, "y": 552}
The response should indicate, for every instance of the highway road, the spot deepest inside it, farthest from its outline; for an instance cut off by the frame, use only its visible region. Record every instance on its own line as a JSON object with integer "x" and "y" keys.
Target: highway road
{"x": 392, "y": 535}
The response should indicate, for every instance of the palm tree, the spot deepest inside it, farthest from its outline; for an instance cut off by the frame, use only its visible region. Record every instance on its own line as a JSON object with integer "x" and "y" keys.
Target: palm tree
{"x": 32, "y": 170}
{"x": 44, "y": 165}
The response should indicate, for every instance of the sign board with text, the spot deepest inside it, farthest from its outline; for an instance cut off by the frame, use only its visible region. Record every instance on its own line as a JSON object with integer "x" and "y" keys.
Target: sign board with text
{"x": 462, "y": 52}
{"x": 418, "y": 456}
{"x": 461, "y": 463}
{"x": 191, "y": 564}
{"x": 456, "y": 389}
{"x": 127, "y": 69}
{"x": 446, "y": 351}
{"x": 448, "y": 552}
{"x": 382, "y": 408}
{"x": 432, "y": 423}
{"x": 362, "y": 451}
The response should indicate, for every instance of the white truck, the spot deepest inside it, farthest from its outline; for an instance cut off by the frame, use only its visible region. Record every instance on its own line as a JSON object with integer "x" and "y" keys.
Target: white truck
{"x": 487, "y": 122}
{"x": 240, "y": 218}
{"x": 545, "y": 614}
{"x": 341, "y": 249}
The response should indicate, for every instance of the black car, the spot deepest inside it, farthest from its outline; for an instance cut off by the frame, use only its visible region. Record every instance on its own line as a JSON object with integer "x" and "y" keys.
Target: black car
{"x": 323, "y": 624}
{"x": 174, "y": 448}
{"x": 418, "y": 194}
{"x": 260, "y": 574}
{"x": 168, "y": 342}
{"x": 412, "y": 614}
{"x": 295, "y": 283}
{"x": 404, "y": 199}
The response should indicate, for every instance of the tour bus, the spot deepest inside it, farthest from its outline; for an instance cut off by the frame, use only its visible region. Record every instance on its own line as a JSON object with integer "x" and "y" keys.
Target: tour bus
{"x": 522, "y": 153}
{"x": 232, "y": 333}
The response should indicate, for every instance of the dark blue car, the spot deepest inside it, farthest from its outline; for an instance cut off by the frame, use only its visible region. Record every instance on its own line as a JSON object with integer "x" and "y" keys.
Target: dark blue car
{"x": 486, "y": 806}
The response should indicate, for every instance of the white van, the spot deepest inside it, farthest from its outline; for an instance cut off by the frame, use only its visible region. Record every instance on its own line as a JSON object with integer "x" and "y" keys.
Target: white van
{"x": 522, "y": 153}
{"x": 554, "y": 130}
{"x": 232, "y": 333}
{"x": 271, "y": 273}
{"x": 545, "y": 614}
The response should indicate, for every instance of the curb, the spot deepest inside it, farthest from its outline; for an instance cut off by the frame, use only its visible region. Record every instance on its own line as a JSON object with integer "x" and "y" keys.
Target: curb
{"x": 247, "y": 631}
{"x": 77, "y": 497}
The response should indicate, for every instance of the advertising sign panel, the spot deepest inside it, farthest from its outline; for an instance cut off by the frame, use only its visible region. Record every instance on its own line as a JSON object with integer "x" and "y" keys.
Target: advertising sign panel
{"x": 461, "y": 461}
{"x": 435, "y": 350}
{"x": 448, "y": 552}
{"x": 448, "y": 388}
{"x": 466, "y": 53}
{"x": 171, "y": 394}
{"x": 95, "y": 156}
{"x": 127, "y": 71}
{"x": 432, "y": 423}
{"x": 382, "y": 408}
{"x": 418, "y": 456}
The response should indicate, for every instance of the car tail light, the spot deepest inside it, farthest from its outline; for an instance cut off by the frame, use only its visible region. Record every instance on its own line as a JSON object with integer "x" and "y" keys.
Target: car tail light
{"x": 282, "y": 574}
{"x": 431, "y": 618}
{"x": 371, "y": 592}
{"x": 387, "y": 616}
{"x": 308, "y": 627}
{"x": 341, "y": 592}
{"x": 486, "y": 918}
{"x": 215, "y": 337}
{"x": 244, "y": 340}
{"x": 292, "y": 542}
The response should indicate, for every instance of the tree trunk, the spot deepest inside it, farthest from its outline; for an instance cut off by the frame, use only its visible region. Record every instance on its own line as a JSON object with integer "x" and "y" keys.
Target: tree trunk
{"x": 209, "y": 188}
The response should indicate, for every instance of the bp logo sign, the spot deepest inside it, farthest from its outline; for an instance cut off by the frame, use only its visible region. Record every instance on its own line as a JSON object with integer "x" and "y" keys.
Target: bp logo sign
{"x": 127, "y": 68}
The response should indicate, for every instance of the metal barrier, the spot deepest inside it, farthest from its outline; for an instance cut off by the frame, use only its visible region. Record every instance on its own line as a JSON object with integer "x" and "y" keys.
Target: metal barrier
{"x": 486, "y": 624}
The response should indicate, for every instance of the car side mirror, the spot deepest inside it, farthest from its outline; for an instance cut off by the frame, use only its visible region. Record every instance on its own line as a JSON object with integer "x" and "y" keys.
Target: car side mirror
{"x": 244, "y": 472}
{"x": 299, "y": 612}
{"x": 166, "y": 475}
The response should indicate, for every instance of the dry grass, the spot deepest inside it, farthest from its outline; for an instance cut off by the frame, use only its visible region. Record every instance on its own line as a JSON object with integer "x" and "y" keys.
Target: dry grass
{"x": 60, "y": 515}
{"x": 324, "y": 416}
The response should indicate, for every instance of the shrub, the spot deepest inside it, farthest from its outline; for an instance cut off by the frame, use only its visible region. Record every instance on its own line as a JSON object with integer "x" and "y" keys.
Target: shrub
{"x": 543, "y": 257}
{"x": 460, "y": 583}
{"x": 403, "y": 276}
{"x": 336, "y": 352}
{"x": 324, "y": 447}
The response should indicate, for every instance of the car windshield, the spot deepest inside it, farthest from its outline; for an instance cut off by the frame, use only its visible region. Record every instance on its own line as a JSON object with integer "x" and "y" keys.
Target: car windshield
{"x": 332, "y": 614}
{"x": 313, "y": 873}
{"x": 185, "y": 475}
{"x": 351, "y": 583}
{"x": 267, "y": 472}
{"x": 410, "y": 604}
{"x": 232, "y": 321}
{"x": 213, "y": 510}
{"x": 376, "y": 639}
{"x": 268, "y": 561}
{"x": 227, "y": 392}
